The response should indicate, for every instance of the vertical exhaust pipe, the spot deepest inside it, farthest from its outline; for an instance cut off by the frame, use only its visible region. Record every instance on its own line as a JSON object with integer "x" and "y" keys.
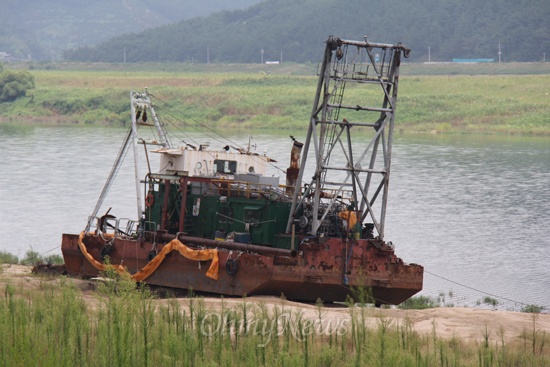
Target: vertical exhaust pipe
{"x": 294, "y": 168}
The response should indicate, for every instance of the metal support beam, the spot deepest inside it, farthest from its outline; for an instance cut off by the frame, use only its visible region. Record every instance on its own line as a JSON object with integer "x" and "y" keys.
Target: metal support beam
{"x": 337, "y": 125}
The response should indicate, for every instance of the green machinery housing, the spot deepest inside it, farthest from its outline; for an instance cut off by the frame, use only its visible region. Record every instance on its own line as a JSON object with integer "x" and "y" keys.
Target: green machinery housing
{"x": 217, "y": 208}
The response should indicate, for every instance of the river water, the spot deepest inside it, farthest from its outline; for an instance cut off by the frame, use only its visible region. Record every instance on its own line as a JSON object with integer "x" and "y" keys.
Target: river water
{"x": 474, "y": 210}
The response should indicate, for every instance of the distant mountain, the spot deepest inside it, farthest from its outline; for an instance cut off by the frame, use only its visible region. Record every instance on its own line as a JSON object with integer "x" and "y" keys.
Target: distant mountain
{"x": 293, "y": 30}
{"x": 42, "y": 29}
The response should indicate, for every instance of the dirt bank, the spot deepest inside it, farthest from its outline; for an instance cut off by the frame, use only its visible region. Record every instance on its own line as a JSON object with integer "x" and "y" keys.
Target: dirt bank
{"x": 465, "y": 323}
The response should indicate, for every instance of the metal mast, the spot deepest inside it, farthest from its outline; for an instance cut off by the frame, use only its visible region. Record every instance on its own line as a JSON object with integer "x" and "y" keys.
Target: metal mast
{"x": 352, "y": 136}
{"x": 140, "y": 103}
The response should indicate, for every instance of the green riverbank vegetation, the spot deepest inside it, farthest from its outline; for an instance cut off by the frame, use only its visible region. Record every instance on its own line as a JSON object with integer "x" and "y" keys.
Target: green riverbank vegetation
{"x": 467, "y": 99}
{"x": 52, "y": 322}
{"x": 31, "y": 257}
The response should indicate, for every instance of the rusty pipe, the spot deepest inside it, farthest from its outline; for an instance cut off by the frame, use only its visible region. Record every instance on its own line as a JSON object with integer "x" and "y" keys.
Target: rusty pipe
{"x": 235, "y": 246}
{"x": 294, "y": 168}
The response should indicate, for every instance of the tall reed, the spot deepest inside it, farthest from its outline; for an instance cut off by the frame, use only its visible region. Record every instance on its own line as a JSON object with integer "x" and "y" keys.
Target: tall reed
{"x": 53, "y": 324}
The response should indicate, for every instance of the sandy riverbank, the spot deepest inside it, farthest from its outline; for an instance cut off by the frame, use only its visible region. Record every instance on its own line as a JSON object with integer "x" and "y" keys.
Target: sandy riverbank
{"x": 448, "y": 322}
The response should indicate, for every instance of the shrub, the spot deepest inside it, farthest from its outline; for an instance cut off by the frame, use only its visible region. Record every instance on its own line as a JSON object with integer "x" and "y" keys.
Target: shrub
{"x": 53, "y": 259}
{"x": 419, "y": 303}
{"x": 490, "y": 301}
{"x": 532, "y": 309}
{"x": 14, "y": 85}
{"x": 31, "y": 258}
{"x": 6, "y": 257}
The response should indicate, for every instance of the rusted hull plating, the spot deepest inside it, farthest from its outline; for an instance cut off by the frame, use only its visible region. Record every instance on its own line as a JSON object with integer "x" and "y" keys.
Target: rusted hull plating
{"x": 331, "y": 271}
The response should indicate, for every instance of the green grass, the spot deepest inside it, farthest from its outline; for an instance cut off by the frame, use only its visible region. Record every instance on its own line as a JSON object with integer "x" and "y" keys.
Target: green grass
{"x": 53, "y": 325}
{"x": 419, "y": 303}
{"x": 506, "y": 98}
{"x": 8, "y": 258}
{"x": 506, "y": 68}
{"x": 31, "y": 257}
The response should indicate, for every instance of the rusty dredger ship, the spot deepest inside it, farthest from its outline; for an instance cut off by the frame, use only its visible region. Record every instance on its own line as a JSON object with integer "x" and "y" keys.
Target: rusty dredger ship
{"x": 212, "y": 221}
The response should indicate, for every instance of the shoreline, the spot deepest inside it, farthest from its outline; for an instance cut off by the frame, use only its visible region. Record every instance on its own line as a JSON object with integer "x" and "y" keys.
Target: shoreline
{"x": 68, "y": 122}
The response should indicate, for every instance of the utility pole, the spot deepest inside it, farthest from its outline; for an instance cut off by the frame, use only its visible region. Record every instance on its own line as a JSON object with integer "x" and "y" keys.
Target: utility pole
{"x": 429, "y": 54}
{"x": 499, "y": 53}
{"x": 262, "y": 55}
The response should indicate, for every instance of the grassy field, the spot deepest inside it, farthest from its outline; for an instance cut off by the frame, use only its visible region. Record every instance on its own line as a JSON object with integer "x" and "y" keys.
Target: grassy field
{"x": 496, "y": 98}
{"x": 52, "y": 322}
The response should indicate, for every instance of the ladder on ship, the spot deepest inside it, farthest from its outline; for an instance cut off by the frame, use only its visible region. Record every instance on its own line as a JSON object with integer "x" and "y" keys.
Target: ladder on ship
{"x": 353, "y": 115}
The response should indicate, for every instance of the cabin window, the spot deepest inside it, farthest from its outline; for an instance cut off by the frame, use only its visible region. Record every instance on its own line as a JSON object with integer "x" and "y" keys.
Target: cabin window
{"x": 225, "y": 215}
{"x": 252, "y": 215}
{"x": 225, "y": 166}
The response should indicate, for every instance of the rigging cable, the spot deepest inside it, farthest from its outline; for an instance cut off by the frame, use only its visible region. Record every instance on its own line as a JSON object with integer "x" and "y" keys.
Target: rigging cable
{"x": 479, "y": 290}
{"x": 187, "y": 136}
{"x": 198, "y": 123}
{"x": 123, "y": 151}
{"x": 206, "y": 127}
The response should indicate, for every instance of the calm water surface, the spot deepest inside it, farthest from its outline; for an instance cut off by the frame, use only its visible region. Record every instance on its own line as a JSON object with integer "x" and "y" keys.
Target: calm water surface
{"x": 475, "y": 211}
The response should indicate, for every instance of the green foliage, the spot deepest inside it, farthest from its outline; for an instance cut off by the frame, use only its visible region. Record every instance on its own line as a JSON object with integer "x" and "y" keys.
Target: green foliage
{"x": 53, "y": 259}
{"x": 33, "y": 30}
{"x": 280, "y": 96}
{"x": 8, "y": 258}
{"x": 490, "y": 301}
{"x": 532, "y": 309}
{"x": 31, "y": 257}
{"x": 419, "y": 303}
{"x": 15, "y": 84}
{"x": 295, "y": 31}
{"x": 126, "y": 326}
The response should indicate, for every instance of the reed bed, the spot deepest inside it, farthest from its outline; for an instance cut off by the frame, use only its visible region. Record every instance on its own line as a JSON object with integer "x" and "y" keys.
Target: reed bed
{"x": 54, "y": 324}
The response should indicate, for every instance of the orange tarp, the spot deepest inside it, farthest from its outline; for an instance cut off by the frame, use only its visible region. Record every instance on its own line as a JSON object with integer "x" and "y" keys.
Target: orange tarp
{"x": 350, "y": 217}
{"x": 174, "y": 245}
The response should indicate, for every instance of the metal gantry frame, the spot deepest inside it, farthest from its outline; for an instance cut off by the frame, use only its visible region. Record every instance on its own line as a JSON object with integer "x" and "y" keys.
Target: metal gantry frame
{"x": 140, "y": 103}
{"x": 360, "y": 132}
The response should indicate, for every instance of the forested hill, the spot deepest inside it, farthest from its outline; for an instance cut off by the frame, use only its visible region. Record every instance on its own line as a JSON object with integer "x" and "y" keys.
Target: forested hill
{"x": 42, "y": 29}
{"x": 294, "y": 30}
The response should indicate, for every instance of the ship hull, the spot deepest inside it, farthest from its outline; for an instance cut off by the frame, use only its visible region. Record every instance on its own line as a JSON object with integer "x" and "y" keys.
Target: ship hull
{"x": 331, "y": 271}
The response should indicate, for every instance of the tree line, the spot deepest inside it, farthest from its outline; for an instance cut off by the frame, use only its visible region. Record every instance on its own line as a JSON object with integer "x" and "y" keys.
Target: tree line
{"x": 42, "y": 29}
{"x": 294, "y": 30}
